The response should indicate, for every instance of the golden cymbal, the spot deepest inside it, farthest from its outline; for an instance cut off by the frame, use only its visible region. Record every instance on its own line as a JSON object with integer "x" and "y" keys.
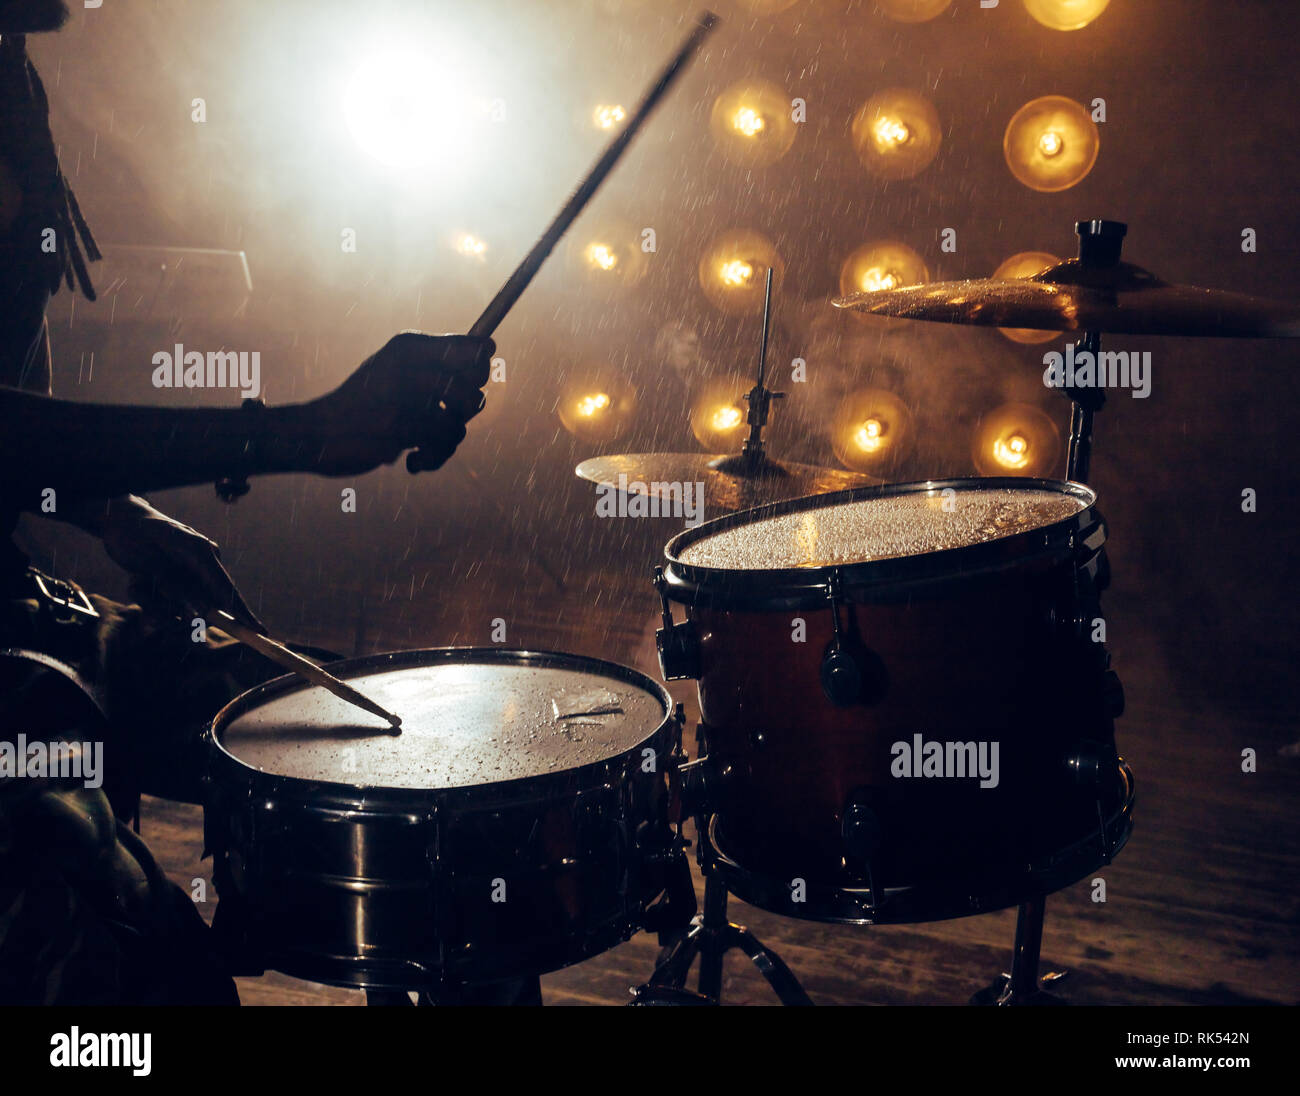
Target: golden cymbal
{"x": 1123, "y": 299}
{"x": 727, "y": 486}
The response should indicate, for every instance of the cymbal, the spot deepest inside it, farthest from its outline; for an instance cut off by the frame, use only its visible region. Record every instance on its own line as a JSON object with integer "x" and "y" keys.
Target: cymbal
{"x": 728, "y": 485}
{"x": 1123, "y": 299}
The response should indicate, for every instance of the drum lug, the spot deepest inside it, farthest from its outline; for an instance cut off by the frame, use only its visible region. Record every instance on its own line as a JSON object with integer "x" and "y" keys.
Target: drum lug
{"x": 703, "y": 784}
{"x": 678, "y": 644}
{"x": 1092, "y": 764}
{"x": 861, "y": 834}
{"x": 841, "y": 677}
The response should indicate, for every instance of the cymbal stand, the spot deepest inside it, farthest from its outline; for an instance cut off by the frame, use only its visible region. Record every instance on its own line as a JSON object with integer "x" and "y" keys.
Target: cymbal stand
{"x": 752, "y": 459}
{"x": 1099, "y": 247}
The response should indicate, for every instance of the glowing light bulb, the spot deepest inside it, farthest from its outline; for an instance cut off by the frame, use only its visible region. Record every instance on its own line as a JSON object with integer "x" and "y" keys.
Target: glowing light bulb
{"x": 608, "y": 116}
{"x": 593, "y": 404}
{"x": 748, "y": 121}
{"x": 413, "y": 117}
{"x": 870, "y": 430}
{"x": 875, "y": 279}
{"x": 602, "y": 256}
{"x": 1065, "y": 14}
{"x": 736, "y": 273}
{"x": 1017, "y": 439}
{"x": 896, "y": 134}
{"x": 1050, "y": 143}
{"x": 726, "y": 418}
{"x": 890, "y": 132}
{"x": 752, "y": 124}
{"x": 732, "y": 273}
{"x": 870, "y": 436}
{"x": 470, "y": 246}
{"x": 1012, "y": 452}
{"x": 882, "y": 265}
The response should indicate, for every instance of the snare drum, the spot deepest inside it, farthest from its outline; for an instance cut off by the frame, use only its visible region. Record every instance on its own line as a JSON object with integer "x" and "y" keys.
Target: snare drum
{"x": 513, "y": 827}
{"x": 905, "y": 712}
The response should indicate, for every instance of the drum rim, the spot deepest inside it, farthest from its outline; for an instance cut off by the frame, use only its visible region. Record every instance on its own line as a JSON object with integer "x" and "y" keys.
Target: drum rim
{"x": 330, "y": 793}
{"x": 793, "y": 586}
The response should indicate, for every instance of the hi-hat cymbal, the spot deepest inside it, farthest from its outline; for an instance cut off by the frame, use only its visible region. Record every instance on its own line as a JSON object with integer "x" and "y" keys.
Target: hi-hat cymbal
{"x": 1123, "y": 299}
{"x": 728, "y": 484}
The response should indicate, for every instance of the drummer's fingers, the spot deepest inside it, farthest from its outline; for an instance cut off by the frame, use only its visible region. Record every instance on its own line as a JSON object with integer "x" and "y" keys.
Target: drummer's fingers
{"x": 462, "y": 399}
{"x": 439, "y": 443}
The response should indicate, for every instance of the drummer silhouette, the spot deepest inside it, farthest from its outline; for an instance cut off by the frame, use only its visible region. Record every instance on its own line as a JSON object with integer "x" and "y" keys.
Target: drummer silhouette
{"x": 99, "y": 922}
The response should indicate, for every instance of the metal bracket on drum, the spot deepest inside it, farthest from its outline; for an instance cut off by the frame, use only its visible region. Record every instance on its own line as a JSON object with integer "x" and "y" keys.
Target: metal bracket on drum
{"x": 678, "y": 644}
{"x": 712, "y": 934}
{"x": 841, "y": 676}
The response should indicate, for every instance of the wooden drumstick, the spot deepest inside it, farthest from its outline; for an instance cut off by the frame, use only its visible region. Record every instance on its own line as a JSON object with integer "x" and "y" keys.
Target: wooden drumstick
{"x": 304, "y": 667}
{"x": 524, "y": 273}
{"x": 496, "y": 311}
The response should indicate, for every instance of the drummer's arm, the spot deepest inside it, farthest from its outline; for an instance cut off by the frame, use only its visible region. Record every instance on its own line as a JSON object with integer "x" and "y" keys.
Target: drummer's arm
{"x": 416, "y": 392}
{"x": 105, "y": 450}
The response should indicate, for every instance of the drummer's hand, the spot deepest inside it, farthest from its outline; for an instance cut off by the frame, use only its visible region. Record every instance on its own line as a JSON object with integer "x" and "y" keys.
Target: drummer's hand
{"x": 171, "y": 563}
{"x": 416, "y": 392}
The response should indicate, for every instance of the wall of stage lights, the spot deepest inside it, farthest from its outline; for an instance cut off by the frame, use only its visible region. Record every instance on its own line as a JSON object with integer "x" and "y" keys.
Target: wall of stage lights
{"x": 1049, "y": 144}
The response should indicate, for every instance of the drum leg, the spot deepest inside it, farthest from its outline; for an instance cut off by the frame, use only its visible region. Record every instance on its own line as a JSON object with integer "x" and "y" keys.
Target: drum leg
{"x": 710, "y": 937}
{"x": 1023, "y": 986}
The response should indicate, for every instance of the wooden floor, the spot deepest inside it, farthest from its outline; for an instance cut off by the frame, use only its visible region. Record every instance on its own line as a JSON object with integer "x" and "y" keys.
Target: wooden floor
{"x": 1201, "y": 907}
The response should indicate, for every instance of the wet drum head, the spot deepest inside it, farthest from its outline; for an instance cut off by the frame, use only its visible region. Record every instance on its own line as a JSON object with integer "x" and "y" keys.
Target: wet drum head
{"x": 878, "y": 536}
{"x": 470, "y": 718}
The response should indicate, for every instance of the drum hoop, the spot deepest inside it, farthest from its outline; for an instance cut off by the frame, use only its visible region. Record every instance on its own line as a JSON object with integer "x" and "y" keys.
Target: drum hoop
{"x": 880, "y": 579}
{"x": 380, "y": 799}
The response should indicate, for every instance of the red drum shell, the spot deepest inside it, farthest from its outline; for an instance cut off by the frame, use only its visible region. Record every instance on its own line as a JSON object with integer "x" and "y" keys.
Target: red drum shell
{"x": 973, "y": 644}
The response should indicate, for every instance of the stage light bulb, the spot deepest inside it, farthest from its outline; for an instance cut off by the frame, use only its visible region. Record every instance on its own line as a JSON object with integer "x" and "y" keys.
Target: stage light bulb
{"x": 890, "y": 131}
{"x": 733, "y": 271}
{"x": 1016, "y": 439}
{"x": 593, "y": 404}
{"x": 601, "y": 256}
{"x": 1012, "y": 452}
{"x": 896, "y": 134}
{"x": 727, "y": 418}
{"x": 1022, "y": 265}
{"x": 1065, "y": 14}
{"x": 913, "y": 11}
{"x": 736, "y": 273}
{"x": 409, "y": 114}
{"x": 876, "y": 278}
{"x": 752, "y": 124}
{"x": 870, "y": 436}
{"x": 1051, "y": 143}
{"x": 470, "y": 246}
{"x": 869, "y": 430}
{"x": 608, "y": 116}
{"x": 885, "y": 264}
{"x": 717, "y": 417}
{"x": 748, "y": 121}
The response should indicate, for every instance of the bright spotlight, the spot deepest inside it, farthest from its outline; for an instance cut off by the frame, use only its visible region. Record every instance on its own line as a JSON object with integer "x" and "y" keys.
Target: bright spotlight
{"x": 407, "y": 111}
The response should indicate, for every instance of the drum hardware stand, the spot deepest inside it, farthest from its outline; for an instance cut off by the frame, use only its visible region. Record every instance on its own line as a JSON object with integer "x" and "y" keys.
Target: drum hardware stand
{"x": 1099, "y": 247}
{"x": 752, "y": 461}
{"x": 710, "y": 936}
{"x": 1023, "y": 986}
